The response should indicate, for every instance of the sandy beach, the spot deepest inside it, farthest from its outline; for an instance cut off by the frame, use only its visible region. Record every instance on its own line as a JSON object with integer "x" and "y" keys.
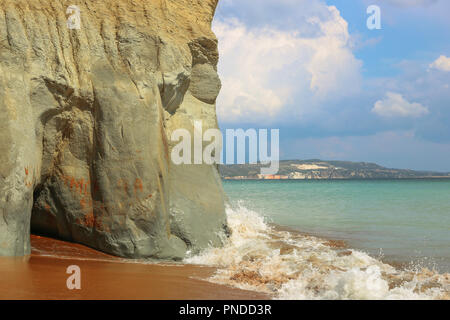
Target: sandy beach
{"x": 42, "y": 275}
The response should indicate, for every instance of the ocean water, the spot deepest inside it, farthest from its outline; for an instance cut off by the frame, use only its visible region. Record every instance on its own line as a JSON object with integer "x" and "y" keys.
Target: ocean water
{"x": 406, "y": 221}
{"x": 396, "y": 236}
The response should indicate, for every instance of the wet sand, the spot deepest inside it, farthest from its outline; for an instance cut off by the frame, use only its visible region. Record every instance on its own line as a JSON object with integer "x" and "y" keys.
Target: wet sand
{"x": 42, "y": 275}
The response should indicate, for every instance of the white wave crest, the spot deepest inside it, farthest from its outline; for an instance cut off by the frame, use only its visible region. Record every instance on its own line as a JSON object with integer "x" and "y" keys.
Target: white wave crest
{"x": 288, "y": 265}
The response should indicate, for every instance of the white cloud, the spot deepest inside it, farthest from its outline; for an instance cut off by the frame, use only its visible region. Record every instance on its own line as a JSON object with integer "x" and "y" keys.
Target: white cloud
{"x": 442, "y": 63}
{"x": 395, "y": 105}
{"x": 265, "y": 70}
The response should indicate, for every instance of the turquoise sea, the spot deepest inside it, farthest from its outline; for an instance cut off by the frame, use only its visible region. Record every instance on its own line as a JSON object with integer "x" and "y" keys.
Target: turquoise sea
{"x": 404, "y": 221}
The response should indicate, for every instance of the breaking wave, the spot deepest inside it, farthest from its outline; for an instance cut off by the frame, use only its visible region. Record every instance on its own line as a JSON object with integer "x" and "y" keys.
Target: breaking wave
{"x": 288, "y": 265}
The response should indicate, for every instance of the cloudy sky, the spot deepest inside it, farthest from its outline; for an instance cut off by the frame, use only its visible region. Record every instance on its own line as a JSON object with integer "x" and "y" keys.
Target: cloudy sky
{"x": 334, "y": 88}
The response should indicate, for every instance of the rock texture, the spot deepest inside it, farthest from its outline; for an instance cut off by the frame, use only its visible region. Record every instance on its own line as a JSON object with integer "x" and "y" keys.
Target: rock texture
{"x": 85, "y": 121}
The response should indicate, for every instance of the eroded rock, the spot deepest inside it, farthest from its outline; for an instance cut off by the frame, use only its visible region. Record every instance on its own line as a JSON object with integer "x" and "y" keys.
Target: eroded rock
{"x": 85, "y": 121}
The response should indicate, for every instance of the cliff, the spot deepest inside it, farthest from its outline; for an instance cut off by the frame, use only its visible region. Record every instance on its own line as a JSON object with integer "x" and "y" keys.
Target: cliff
{"x": 85, "y": 120}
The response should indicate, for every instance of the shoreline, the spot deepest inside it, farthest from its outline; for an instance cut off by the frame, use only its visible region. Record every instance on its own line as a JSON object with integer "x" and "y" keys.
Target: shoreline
{"x": 289, "y": 264}
{"x": 344, "y": 247}
{"x": 42, "y": 276}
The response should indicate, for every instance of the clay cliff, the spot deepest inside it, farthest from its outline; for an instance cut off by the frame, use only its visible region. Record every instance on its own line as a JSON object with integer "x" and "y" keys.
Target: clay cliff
{"x": 86, "y": 117}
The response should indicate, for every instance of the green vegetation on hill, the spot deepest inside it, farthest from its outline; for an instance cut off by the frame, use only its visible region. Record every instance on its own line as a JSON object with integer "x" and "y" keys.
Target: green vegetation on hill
{"x": 319, "y": 170}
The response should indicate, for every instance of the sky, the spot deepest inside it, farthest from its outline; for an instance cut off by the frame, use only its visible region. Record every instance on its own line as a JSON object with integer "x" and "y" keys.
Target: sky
{"x": 336, "y": 89}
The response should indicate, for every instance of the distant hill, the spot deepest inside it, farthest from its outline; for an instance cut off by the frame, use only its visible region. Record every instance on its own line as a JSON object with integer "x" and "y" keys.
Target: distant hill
{"x": 322, "y": 170}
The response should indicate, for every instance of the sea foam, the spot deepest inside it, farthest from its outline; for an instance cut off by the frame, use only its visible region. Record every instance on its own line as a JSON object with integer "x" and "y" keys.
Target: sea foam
{"x": 289, "y": 265}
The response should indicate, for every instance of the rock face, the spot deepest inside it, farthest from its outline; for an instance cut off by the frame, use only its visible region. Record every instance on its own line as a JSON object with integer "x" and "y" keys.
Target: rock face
{"x": 86, "y": 117}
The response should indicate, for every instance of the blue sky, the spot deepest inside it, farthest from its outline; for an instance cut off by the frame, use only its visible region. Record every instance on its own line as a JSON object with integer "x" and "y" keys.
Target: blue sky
{"x": 334, "y": 88}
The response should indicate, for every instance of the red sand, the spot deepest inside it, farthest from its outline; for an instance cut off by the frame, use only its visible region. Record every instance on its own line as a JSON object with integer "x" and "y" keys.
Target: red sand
{"x": 43, "y": 276}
